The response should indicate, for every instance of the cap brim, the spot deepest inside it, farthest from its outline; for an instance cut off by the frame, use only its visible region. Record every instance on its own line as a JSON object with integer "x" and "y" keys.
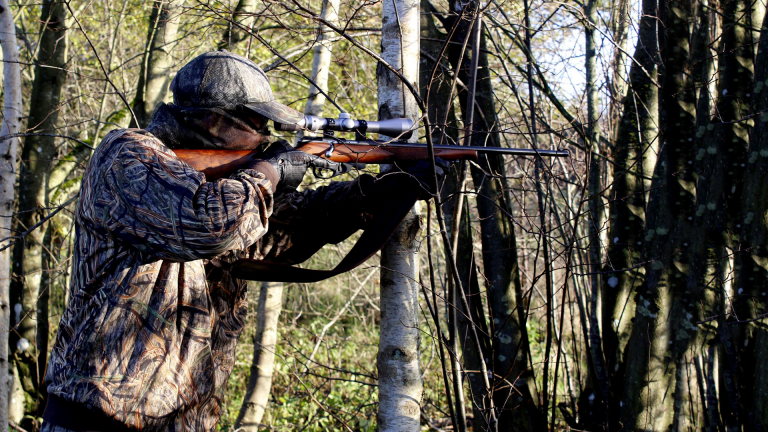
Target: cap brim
{"x": 276, "y": 111}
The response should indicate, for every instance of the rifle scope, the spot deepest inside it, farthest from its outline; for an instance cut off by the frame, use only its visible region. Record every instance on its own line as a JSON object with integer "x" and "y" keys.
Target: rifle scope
{"x": 397, "y": 127}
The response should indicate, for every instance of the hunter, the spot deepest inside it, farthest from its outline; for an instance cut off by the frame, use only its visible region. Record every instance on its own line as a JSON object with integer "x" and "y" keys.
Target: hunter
{"x": 147, "y": 341}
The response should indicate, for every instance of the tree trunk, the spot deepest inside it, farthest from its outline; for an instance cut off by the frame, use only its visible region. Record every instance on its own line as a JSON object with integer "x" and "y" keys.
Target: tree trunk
{"x": 400, "y": 386}
{"x": 637, "y": 135}
{"x": 751, "y": 283}
{"x": 663, "y": 318}
{"x": 437, "y": 93}
{"x": 156, "y": 67}
{"x": 620, "y": 21}
{"x": 598, "y": 385}
{"x": 242, "y": 19}
{"x": 12, "y": 115}
{"x": 692, "y": 220}
{"x": 321, "y": 62}
{"x": 262, "y": 367}
{"x": 37, "y": 156}
{"x": 720, "y": 164}
{"x": 513, "y": 379}
{"x": 263, "y": 364}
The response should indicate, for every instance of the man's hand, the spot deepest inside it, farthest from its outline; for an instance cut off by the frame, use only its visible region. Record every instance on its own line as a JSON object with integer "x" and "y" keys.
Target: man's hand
{"x": 290, "y": 164}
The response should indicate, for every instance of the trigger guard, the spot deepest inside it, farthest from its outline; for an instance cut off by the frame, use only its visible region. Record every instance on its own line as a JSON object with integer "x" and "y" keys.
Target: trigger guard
{"x": 318, "y": 172}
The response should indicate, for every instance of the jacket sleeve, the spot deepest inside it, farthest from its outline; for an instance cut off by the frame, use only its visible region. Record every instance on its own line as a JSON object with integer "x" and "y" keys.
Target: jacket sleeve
{"x": 167, "y": 210}
{"x": 303, "y": 222}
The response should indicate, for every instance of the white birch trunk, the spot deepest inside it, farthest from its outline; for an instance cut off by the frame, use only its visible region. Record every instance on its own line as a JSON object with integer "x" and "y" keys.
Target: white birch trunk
{"x": 263, "y": 364}
{"x": 400, "y": 387}
{"x": 12, "y": 113}
{"x": 321, "y": 62}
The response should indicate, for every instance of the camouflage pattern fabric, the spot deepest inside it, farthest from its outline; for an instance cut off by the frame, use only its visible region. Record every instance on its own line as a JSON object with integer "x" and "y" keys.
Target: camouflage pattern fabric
{"x": 149, "y": 334}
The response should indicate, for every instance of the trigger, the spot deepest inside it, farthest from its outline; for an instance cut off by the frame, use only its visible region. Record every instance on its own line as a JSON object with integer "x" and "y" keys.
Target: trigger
{"x": 318, "y": 172}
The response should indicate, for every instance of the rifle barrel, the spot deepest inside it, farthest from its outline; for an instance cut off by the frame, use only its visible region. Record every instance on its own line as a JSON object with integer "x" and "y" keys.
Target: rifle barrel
{"x": 479, "y": 149}
{"x": 509, "y": 151}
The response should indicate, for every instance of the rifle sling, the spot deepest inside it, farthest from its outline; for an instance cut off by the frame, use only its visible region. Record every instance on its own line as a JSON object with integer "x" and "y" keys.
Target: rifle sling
{"x": 385, "y": 222}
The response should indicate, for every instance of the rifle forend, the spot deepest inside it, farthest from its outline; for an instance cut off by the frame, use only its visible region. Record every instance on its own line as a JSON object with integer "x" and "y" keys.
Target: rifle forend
{"x": 400, "y": 128}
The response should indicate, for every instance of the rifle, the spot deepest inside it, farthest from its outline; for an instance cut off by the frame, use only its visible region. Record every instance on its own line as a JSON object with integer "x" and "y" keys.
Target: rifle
{"x": 335, "y": 156}
{"x": 341, "y": 156}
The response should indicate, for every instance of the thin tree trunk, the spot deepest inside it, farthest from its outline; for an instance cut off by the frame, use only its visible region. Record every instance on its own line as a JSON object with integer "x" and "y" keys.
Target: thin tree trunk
{"x": 263, "y": 364}
{"x": 721, "y": 164}
{"x": 619, "y": 80}
{"x": 260, "y": 380}
{"x": 262, "y": 367}
{"x": 242, "y": 18}
{"x": 597, "y": 364}
{"x": 512, "y": 375}
{"x": 156, "y": 67}
{"x": 37, "y": 156}
{"x": 12, "y": 115}
{"x": 637, "y": 136}
{"x": 400, "y": 387}
{"x": 321, "y": 62}
{"x": 436, "y": 91}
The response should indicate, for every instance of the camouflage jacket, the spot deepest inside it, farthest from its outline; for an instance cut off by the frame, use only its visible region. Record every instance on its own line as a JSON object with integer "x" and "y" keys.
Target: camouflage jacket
{"x": 149, "y": 334}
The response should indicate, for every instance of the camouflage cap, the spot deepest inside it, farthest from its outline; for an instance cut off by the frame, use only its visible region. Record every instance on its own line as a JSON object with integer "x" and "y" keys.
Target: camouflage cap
{"x": 221, "y": 79}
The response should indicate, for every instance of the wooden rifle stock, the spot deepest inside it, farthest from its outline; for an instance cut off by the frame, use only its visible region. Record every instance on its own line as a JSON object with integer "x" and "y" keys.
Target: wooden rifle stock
{"x": 215, "y": 163}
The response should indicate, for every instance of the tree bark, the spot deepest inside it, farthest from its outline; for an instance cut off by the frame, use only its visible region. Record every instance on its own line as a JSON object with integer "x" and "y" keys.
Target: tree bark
{"x": 620, "y": 21}
{"x": 37, "y": 157}
{"x": 263, "y": 364}
{"x": 156, "y": 67}
{"x": 400, "y": 387}
{"x": 12, "y": 115}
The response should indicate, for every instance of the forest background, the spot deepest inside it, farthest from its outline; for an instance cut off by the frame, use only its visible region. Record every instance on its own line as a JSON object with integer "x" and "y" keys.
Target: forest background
{"x": 623, "y": 288}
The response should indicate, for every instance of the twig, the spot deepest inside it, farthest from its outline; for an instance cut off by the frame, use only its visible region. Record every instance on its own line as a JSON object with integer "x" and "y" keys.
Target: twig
{"x": 15, "y": 426}
{"x": 35, "y": 226}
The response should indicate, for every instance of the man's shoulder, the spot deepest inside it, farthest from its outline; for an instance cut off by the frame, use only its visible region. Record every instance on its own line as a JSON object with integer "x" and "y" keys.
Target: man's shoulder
{"x": 120, "y": 142}
{"x": 131, "y": 137}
